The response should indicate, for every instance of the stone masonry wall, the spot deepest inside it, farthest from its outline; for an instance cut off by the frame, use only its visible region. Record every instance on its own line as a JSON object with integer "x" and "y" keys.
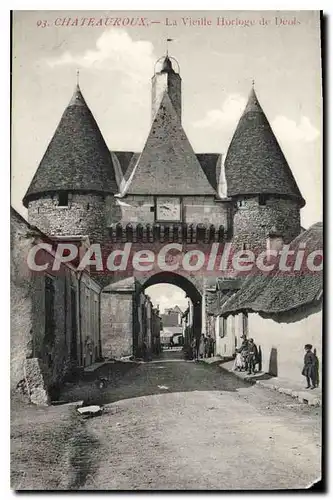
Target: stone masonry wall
{"x": 117, "y": 324}
{"x": 251, "y": 221}
{"x": 196, "y": 209}
{"x": 20, "y": 301}
{"x": 29, "y": 317}
{"x": 84, "y": 215}
{"x": 28, "y": 312}
{"x": 204, "y": 210}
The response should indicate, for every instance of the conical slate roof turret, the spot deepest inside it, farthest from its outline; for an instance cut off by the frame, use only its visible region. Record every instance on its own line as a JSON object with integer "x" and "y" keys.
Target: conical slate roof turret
{"x": 77, "y": 158}
{"x": 255, "y": 163}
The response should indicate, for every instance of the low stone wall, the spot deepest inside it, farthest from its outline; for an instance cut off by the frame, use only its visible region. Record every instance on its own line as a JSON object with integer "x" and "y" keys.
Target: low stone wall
{"x": 36, "y": 382}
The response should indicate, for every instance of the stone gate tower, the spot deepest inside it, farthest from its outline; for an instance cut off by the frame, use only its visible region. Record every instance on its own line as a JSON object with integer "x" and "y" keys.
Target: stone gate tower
{"x": 75, "y": 180}
{"x": 260, "y": 182}
{"x": 165, "y": 193}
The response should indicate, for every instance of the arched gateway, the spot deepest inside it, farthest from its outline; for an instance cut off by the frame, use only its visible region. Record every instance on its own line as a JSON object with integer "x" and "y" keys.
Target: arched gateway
{"x": 191, "y": 288}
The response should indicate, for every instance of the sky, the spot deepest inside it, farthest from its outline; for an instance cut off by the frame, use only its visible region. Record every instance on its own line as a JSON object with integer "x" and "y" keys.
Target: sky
{"x": 280, "y": 51}
{"x": 165, "y": 296}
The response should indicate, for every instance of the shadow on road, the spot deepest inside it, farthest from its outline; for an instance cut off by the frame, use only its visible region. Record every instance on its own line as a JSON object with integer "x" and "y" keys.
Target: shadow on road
{"x": 131, "y": 380}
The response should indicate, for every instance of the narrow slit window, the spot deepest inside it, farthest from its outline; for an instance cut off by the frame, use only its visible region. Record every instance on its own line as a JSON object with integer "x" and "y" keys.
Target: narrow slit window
{"x": 262, "y": 199}
{"x": 63, "y": 199}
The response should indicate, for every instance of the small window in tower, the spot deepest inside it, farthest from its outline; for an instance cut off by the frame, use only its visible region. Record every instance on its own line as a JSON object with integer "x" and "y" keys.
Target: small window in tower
{"x": 88, "y": 206}
{"x": 240, "y": 203}
{"x": 262, "y": 199}
{"x": 63, "y": 199}
{"x": 246, "y": 246}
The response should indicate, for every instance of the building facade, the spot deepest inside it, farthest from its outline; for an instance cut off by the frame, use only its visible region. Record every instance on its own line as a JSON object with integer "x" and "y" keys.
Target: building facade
{"x": 55, "y": 317}
{"x": 280, "y": 312}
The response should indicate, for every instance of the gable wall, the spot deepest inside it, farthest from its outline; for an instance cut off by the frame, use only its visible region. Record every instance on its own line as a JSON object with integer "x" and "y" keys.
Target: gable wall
{"x": 282, "y": 344}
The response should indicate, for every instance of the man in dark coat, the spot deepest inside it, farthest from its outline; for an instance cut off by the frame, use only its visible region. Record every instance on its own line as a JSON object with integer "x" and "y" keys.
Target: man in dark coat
{"x": 252, "y": 356}
{"x": 310, "y": 368}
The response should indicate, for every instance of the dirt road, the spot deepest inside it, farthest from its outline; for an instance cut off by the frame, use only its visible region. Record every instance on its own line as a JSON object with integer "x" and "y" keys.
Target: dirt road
{"x": 177, "y": 425}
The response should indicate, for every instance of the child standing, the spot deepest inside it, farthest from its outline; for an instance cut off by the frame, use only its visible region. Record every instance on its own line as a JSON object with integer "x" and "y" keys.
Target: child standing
{"x": 309, "y": 368}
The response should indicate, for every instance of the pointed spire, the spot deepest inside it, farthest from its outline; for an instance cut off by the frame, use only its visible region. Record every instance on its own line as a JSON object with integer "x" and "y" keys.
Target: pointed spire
{"x": 252, "y": 103}
{"x": 255, "y": 163}
{"x": 77, "y": 98}
{"x": 168, "y": 164}
{"x": 167, "y": 65}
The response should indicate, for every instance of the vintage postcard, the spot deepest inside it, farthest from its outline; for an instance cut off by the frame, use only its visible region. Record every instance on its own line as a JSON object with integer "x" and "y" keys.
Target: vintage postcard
{"x": 166, "y": 250}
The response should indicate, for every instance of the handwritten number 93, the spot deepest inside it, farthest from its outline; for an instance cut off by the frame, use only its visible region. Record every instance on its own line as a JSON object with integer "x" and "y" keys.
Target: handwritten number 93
{"x": 42, "y": 24}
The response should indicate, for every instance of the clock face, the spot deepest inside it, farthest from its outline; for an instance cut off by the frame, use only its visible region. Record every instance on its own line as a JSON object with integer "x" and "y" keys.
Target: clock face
{"x": 168, "y": 208}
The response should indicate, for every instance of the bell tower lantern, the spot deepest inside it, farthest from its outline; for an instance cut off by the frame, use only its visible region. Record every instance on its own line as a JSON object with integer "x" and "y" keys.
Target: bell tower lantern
{"x": 166, "y": 79}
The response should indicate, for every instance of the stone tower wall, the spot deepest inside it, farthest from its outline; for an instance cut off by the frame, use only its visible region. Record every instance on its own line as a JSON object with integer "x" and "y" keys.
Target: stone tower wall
{"x": 251, "y": 221}
{"x": 196, "y": 209}
{"x": 84, "y": 215}
{"x": 170, "y": 82}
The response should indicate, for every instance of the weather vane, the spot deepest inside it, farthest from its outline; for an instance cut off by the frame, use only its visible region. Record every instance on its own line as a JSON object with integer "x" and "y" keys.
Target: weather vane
{"x": 167, "y": 45}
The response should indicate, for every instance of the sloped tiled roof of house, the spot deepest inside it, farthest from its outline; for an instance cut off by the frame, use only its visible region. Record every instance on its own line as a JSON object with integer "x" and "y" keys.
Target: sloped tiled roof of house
{"x": 77, "y": 158}
{"x": 255, "y": 163}
{"x": 278, "y": 291}
{"x": 215, "y": 301}
{"x": 168, "y": 164}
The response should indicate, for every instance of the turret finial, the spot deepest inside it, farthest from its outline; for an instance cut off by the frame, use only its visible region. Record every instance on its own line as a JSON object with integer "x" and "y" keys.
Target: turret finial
{"x": 167, "y": 45}
{"x": 78, "y": 77}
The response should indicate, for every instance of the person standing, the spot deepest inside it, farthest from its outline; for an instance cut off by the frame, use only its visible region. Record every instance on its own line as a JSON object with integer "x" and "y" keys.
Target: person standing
{"x": 207, "y": 347}
{"x": 239, "y": 361}
{"x": 243, "y": 350}
{"x": 202, "y": 346}
{"x": 252, "y": 356}
{"x": 194, "y": 349}
{"x": 210, "y": 344}
{"x": 309, "y": 368}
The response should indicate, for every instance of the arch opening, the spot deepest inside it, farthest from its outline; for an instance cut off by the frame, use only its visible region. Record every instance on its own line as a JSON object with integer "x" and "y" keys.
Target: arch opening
{"x": 193, "y": 318}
